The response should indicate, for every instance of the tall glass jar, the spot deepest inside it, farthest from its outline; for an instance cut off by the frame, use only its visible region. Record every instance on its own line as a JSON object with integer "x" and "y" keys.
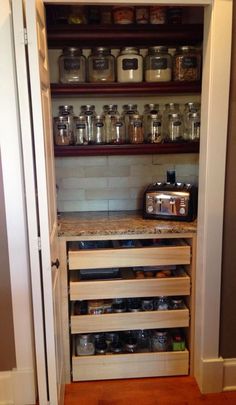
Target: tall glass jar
{"x": 149, "y": 109}
{"x": 175, "y": 127}
{"x": 158, "y": 64}
{"x": 136, "y": 131}
{"x": 89, "y": 112}
{"x": 193, "y": 127}
{"x": 81, "y": 130}
{"x": 118, "y": 130}
{"x": 110, "y": 111}
{"x": 72, "y": 66}
{"x": 153, "y": 128}
{"x": 189, "y": 108}
{"x": 101, "y": 65}
{"x": 67, "y": 112}
{"x": 169, "y": 108}
{"x": 129, "y": 65}
{"x": 128, "y": 111}
{"x": 187, "y": 64}
{"x": 62, "y": 135}
{"x": 98, "y": 130}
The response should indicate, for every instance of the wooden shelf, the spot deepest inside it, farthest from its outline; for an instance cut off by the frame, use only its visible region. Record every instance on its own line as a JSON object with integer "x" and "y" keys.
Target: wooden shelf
{"x": 139, "y": 149}
{"x": 119, "y": 89}
{"x": 89, "y": 36}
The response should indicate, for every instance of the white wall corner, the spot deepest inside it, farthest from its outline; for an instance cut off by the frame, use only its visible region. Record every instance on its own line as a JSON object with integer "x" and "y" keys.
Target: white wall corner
{"x": 17, "y": 387}
{"x": 229, "y": 377}
{"x": 211, "y": 375}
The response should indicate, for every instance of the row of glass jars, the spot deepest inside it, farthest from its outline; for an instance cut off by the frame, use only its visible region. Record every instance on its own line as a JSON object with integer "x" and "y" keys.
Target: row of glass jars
{"x": 119, "y": 305}
{"x": 111, "y": 127}
{"x": 142, "y": 340}
{"x": 130, "y": 66}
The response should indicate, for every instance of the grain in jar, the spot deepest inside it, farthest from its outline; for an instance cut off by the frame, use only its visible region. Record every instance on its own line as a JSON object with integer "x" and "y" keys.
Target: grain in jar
{"x": 136, "y": 131}
{"x": 62, "y": 135}
{"x": 158, "y": 64}
{"x": 153, "y": 128}
{"x": 123, "y": 15}
{"x": 129, "y": 66}
{"x": 72, "y": 66}
{"x": 187, "y": 64}
{"x": 158, "y": 15}
{"x": 128, "y": 111}
{"x": 101, "y": 65}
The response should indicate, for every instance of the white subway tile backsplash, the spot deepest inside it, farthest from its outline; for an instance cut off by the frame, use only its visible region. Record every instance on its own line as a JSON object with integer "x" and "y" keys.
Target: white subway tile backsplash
{"x": 71, "y": 195}
{"x": 121, "y": 205}
{"x": 87, "y": 183}
{"x": 129, "y": 160}
{"x": 106, "y": 194}
{"x": 68, "y": 206}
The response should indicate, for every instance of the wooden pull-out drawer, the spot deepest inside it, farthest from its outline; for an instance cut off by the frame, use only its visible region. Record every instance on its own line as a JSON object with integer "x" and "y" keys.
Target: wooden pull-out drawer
{"x": 130, "y": 257}
{"x": 154, "y": 287}
{"x": 133, "y": 365}
{"x": 129, "y": 320}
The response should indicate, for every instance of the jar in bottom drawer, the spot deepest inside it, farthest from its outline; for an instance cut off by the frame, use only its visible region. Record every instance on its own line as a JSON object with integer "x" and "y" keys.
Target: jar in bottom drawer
{"x": 160, "y": 340}
{"x": 85, "y": 345}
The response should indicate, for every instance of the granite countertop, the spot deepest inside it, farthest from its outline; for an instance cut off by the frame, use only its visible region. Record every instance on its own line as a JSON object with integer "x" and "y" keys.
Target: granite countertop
{"x": 117, "y": 223}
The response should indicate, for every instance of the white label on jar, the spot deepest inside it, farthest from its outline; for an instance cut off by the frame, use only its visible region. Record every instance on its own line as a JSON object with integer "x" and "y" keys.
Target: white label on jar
{"x": 130, "y": 64}
{"x": 137, "y": 124}
{"x": 177, "y": 123}
{"x": 118, "y": 124}
{"x": 99, "y": 124}
{"x": 100, "y": 64}
{"x": 80, "y": 126}
{"x": 61, "y": 126}
{"x": 160, "y": 63}
{"x": 189, "y": 62}
{"x": 156, "y": 124}
{"x": 70, "y": 64}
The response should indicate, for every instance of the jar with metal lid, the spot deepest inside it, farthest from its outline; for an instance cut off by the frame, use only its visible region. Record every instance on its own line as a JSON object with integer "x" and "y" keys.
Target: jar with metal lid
{"x": 131, "y": 345}
{"x": 85, "y": 345}
{"x": 147, "y": 304}
{"x": 175, "y": 127}
{"x": 67, "y": 112}
{"x": 72, "y": 66}
{"x": 118, "y": 130}
{"x": 119, "y": 305}
{"x": 136, "y": 130}
{"x": 142, "y": 15}
{"x": 61, "y": 132}
{"x": 123, "y": 14}
{"x": 98, "y": 130}
{"x": 149, "y": 109}
{"x": 95, "y": 307}
{"x": 101, "y": 65}
{"x": 168, "y": 109}
{"x": 174, "y": 15}
{"x": 110, "y": 112}
{"x": 81, "y": 130}
{"x": 128, "y": 111}
{"x": 89, "y": 112}
{"x": 177, "y": 303}
{"x": 160, "y": 340}
{"x": 153, "y": 130}
{"x": 129, "y": 66}
{"x": 158, "y": 64}
{"x": 162, "y": 303}
{"x": 187, "y": 64}
{"x": 134, "y": 304}
{"x": 101, "y": 347}
{"x": 193, "y": 124}
{"x": 158, "y": 15}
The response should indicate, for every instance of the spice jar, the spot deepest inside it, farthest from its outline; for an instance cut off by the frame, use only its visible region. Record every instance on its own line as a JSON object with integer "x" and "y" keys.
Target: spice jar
{"x": 147, "y": 304}
{"x": 109, "y": 111}
{"x": 174, "y": 15}
{"x": 134, "y": 304}
{"x": 158, "y": 64}
{"x": 157, "y": 15}
{"x": 141, "y": 15}
{"x": 98, "y": 130}
{"x": 66, "y": 111}
{"x": 118, "y": 130}
{"x": 131, "y": 345}
{"x": 128, "y": 111}
{"x": 187, "y": 64}
{"x": 88, "y": 111}
{"x": 178, "y": 341}
{"x": 62, "y": 135}
{"x": 175, "y": 127}
{"x": 169, "y": 108}
{"x": 119, "y": 305}
{"x": 81, "y": 131}
{"x": 177, "y": 303}
{"x": 160, "y": 340}
{"x": 136, "y": 131}
{"x": 101, "y": 65}
{"x": 162, "y": 303}
{"x": 72, "y": 66}
{"x": 85, "y": 345}
{"x": 129, "y": 66}
{"x": 123, "y": 15}
{"x": 149, "y": 109}
{"x": 95, "y": 307}
{"x": 153, "y": 128}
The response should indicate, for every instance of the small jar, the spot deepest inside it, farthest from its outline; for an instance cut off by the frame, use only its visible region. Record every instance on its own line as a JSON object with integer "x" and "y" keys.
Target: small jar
{"x": 174, "y": 15}
{"x": 101, "y": 347}
{"x": 136, "y": 130}
{"x": 141, "y": 15}
{"x": 147, "y": 304}
{"x": 118, "y": 130}
{"x": 160, "y": 340}
{"x": 131, "y": 345}
{"x": 61, "y": 132}
{"x": 134, "y": 304}
{"x": 101, "y": 65}
{"x": 67, "y": 112}
{"x": 72, "y": 66}
{"x": 153, "y": 130}
{"x": 98, "y": 130}
{"x": 111, "y": 338}
{"x": 107, "y": 306}
{"x": 85, "y": 345}
{"x": 178, "y": 341}
{"x": 129, "y": 66}
{"x": 177, "y": 303}
{"x": 119, "y": 305}
{"x": 158, "y": 15}
{"x": 81, "y": 131}
{"x": 123, "y": 15}
{"x": 187, "y": 64}
{"x": 193, "y": 125}
{"x": 158, "y": 64}
{"x": 143, "y": 340}
{"x": 116, "y": 348}
{"x": 88, "y": 111}
{"x": 162, "y": 304}
{"x": 175, "y": 127}
{"x": 95, "y": 307}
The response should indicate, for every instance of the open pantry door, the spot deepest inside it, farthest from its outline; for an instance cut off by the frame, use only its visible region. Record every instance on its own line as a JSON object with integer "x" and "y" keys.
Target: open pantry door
{"x": 38, "y": 160}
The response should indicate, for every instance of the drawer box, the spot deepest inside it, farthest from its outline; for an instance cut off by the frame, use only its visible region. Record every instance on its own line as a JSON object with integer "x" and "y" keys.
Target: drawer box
{"x": 129, "y": 320}
{"x": 130, "y": 257}
{"x": 153, "y": 287}
{"x": 133, "y": 365}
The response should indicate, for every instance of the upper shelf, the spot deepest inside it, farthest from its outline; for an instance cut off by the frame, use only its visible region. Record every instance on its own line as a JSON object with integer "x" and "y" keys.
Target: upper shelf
{"x": 89, "y": 36}
{"x": 143, "y": 88}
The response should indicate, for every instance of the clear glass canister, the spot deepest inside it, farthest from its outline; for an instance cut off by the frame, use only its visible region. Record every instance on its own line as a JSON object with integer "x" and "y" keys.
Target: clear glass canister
{"x": 109, "y": 111}
{"x": 101, "y": 65}
{"x": 175, "y": 127}
{"x": 128, "y": 111}
{"x": 158, "y": 64}
{"x": 189, "y": 108}
{"x": 98, "y": 130}
{"x": 193, "y": 126}
{"x": 62, "y": 135}
{"x": 72, "y": 66}
{"x": 187, "y": 64}
{"x": 67, "y": 112}
{"x": 168, "y": 109}
{"x": 153, "y": 130}
{"x": 160, "y": 341}
{"x": 149, "y": 109}
{"x": 81, "y": 131}
{"x": 136, "y": 131}
{"x": 118, "y": 130}
{"x": 129, "y": 65}
{"x": 89, "y": 112}
{"x": 85, "y": 345}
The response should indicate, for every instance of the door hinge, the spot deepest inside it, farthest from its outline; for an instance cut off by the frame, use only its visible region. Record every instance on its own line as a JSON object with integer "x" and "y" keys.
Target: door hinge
{"x": 39, "y": 243}
{"x": 25, "y": 36}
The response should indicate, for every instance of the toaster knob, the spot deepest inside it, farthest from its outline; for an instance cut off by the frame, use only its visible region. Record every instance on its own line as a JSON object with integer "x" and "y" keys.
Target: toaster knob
{"x": 182, "y": 210}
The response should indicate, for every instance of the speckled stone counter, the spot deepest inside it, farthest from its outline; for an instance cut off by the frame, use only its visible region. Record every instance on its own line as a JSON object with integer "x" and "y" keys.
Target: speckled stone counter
{"x": 74, "y": 224}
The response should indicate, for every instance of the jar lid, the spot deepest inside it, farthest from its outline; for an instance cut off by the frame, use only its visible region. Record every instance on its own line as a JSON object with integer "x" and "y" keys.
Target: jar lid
{"x": 101, "y": 50}
{"x": 129, "y": 50}
{"x": 130, "y": 107}
{"x": 71, "y": 50}
{"x": 87, "y": 107}
{"x": 158, "y": 49}
{"x": 187, "y": 48}
{"x": 151, "y": 106}
{"x": 172, "y": 106}
{"x": 108, "y": 107}
{"x": 66, "y": 107}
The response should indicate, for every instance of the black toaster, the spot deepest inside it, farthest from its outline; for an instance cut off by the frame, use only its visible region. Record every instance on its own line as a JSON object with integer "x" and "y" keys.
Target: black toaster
{"x": 170, "y": 201}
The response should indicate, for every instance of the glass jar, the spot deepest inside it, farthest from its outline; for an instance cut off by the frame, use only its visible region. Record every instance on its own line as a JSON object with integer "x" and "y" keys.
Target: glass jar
{"x": 174, "y": 15}
{"x": 81, "y": 131}
{"x": 131, "y": 345}
{"x": 62, "y": 134}
{"x": 162, "y": 303}
{"x": 149, "y": 109}
{"x": 67, "y": 112}
{"x": 143, "y": 340}
{"x": 169, "y": 108}
{"x": 98, "y": 130}
{"x": 175, "y": 127}
{"x": 89, "y": 113}
{"x": 177, "y": 303}
{"x": 147, "y": 304}
{"x": 85, "y": 345}
{"x": 193, "y": 124}
{"x": 119, "y": 305}
{"x": 118, "y": 130}
{"x": 123, "y": 15}
{"x": 72, "y": 66}
{"x": 158, "y": 64}
{"x": 160, "y": 340}
{"x": 110, "y": 111}
{"x": 141, "y": 15}
{"x": 153, "y": 128}
{"x": 158, "y": 15}
{"x": 101, "y": 65}
{"x": 187, "y": 64}
{"x": 128, "y": 111}
{"x": 129, "y": 66}
{"x": 134, "y": 304}
{"x": 95, "y": 307}
{"x": 136, "y": 131}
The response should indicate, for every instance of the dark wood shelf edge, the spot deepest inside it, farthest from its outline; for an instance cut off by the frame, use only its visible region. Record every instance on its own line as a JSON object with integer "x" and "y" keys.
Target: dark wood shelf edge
{"x": 103, "y": 89}
{"x": 127, "y": 149}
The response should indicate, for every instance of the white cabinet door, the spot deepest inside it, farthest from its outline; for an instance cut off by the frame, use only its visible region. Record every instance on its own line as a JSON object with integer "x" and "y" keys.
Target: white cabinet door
{"x": 38, "y": 160}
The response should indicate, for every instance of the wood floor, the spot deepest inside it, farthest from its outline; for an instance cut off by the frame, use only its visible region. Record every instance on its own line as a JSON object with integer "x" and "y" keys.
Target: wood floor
{"x": 146, "y": 391}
